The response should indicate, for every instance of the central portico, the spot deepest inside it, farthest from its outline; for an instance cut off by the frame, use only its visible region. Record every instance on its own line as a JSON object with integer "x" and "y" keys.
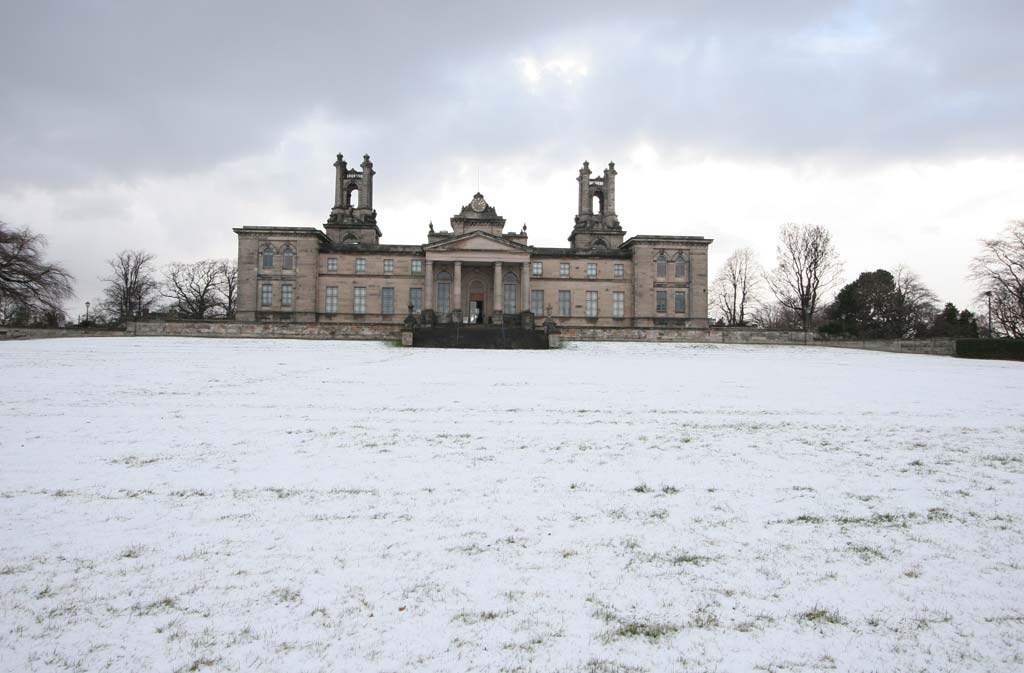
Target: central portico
{"x": 477, "y": 272}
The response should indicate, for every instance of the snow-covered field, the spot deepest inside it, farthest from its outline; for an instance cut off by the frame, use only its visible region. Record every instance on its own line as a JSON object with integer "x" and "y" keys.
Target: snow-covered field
{"x": 187, "y": 505}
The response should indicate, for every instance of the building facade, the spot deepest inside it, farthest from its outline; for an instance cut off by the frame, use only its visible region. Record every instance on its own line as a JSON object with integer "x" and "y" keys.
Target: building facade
{"x": 474, "y": 273}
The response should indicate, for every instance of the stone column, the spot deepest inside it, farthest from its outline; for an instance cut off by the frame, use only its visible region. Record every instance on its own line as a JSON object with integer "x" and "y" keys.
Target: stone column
{"x": 499, "y": 294}
{"x": 457, "y": 293}
{"x": 526, "y": 288}
{"x": 428, "y": 286}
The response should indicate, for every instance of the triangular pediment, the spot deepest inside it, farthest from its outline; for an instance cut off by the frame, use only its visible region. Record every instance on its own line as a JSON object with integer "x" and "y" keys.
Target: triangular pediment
{"x": 476, "y": 240}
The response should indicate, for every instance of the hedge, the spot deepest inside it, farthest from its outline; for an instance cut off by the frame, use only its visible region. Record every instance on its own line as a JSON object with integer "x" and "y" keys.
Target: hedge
{"x": 991, "y": 349}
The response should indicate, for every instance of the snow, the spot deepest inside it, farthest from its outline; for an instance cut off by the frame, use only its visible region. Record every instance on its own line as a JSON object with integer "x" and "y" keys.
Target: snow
{"x": 239, "y": 505}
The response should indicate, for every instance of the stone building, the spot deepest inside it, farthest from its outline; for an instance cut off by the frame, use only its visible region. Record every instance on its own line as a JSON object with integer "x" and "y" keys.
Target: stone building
{"x": 475, "y": 273}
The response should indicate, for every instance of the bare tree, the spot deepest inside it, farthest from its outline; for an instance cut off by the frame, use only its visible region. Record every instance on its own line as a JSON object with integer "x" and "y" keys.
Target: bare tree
{"x": 29, "y": 286}
{"x": 194, "y": 289}
{"x": 773, "y": 315}
{"x": 131, "y": 286}
{"x": 736, "y": 285}
{"x": 914, "y": 304}
{"x": 807, "y": 267}
{"x": 998, "y": 271}
{"x": 227, "y": 271}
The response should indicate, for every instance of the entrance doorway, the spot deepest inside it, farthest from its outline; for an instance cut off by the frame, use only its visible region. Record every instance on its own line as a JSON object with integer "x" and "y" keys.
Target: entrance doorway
{"x": 476, "y": 311}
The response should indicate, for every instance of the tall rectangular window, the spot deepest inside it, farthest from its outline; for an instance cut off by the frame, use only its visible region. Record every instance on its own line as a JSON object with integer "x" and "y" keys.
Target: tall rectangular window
{"x": 537, "y": 302}
{"x": 266, "y": 294}
{"x": 564, "y": 303}
{"x": 416, "y": 299}
{"x": 661, "y": 263}
{"x": 661, "y": 301}
{"x": 332, "y": 300}
{"x": 591, "y": 304}
{"x": 444, "y": 298}
{"x": 387, "y": 300}
{"x": 360, "y": 264}
{"x": 286, "y": 295}
{"x": 537, "y": 269}
{"x": 563, "y": 269}
{"x": 416, "y": 266}
{"x": 511, "y": 296}
{"x": 591, "y": 270}
{"x": 332, "y": 264}
{"x": 389, "y": 266}
{"x": 268, "y": 258}
{"x": 680, "y": 302}
{"x": 618, "y": 304}
{"x": 620, "y": 271}
{"x": 680, "y": 267}
{"x": 359, "y": 300}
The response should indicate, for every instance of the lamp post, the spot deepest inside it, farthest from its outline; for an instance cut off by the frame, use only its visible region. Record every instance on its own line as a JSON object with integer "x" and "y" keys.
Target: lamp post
{"x": 86, "y": 313}
{"x": 988, "y": 294}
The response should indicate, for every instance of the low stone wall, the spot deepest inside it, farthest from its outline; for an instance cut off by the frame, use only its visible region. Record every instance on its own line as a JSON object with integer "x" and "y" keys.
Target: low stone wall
{"x": 19, "y": 333}
{"x": 267, "y": 330}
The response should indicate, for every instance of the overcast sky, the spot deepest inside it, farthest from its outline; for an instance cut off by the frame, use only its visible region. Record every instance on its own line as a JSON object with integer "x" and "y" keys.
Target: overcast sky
{"x": 897, "y": 125}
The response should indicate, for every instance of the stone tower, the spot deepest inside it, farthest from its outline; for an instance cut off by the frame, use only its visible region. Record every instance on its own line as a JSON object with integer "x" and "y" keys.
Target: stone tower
{"x": 597, "y": 225}
{"x": 353, "y": 220}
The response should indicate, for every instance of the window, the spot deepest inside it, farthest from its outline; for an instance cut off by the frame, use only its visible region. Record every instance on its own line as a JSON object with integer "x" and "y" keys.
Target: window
{"x": 511, "y": 293}
{"x": 359, "y": 300}
{"x": 288, "y": 258}
{"x": 416, "y": 299}
{"x": 332, "y": 263}
{"x": 350, "y": 240}
{"x": 564, "y": 303}
{"x": 444, "y": 292}
{"x": 286, "y": 295}
{"x": 591, "y": 270}
{"x": 332, "y": 300}
{"x": 537, "y": 269}
{"x": 680, "y": 267}
{"x": 563, "y": 269}
{"x": 387, "y": 300}
{"x": 537, "y": 302}
{"x": 599, "y": 243}
{"x": 360, "y": 264}
{"x": 620, "y": 271}
{"x": 661, "y": 266}
{"x": 389, "y": 266}
{"x": 267, "y": 295}
{"x": 591, "y": 304}
{"x": 416, "y": 266}
{"x": 618, "y": 304}
{"x": 268, "y": 257}
{"x": 661, "y": 301}
{"x": 680, "y": 302}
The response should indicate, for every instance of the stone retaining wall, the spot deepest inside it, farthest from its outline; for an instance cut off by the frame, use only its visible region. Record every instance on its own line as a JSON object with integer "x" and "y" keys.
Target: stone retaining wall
{"x": 17, "y": 333}
{"x": 268, "y": 330}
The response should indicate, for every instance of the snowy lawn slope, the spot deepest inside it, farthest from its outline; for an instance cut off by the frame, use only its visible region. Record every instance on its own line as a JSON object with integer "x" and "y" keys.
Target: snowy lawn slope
{"x": 229, "y": 505}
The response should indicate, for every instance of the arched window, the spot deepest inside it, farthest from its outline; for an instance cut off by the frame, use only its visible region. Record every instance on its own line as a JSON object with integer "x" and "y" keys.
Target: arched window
{"x": 349, "y": 240}
{"x": 599, "y": 243}
{"x": 511, "y": 294}
{"x": 597, "y": 203}
{"x": 680, "y": 263}
{"x": 353, "y": 196}
{"x": 288, "y": 258}
{"x": 267, "y": 255}
{"x": 444, "y": 292}
{"x": 662, "y": 264}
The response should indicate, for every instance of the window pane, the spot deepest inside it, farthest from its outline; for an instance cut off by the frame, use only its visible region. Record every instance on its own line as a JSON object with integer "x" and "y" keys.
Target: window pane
{"x": 680, "y": 302}
{"x": 387, "y": 300}
{"x": 591, "y": 270}
{"x": 537, "y": 302}
{"x": 332, "y": 300}
{"x": 565, "y": 303}
{"x": 416, "y": 299}
{"x": 268, "y": 295}
{"x": 618, "y": 304}
{"x": 511, "y": 297}
{"x": 444, "y": 298}
{"x": 286, "y": 295}
{"x": 359, "y": 303}
{"x": 591, "y": 304}
{"x": 332, "y": 263}
{"x": 417, "y": 266}
{"x": 620, "y": 270}
{"x": 360, "y": 265}
{"x": 661, "y": 300}
{"x": 538, "y": 268}
{"x": 563, "y": 269}
{"x": 680, "y": 268}
{"x": 389, "y": 265}
{"x": 288, "y": 259}
{"x": 268, "y": 259}
{"x": 661, "y": 266}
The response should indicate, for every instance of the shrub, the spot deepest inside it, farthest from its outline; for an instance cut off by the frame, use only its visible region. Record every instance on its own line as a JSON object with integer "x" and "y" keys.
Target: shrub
{"x": 991, "y": 349}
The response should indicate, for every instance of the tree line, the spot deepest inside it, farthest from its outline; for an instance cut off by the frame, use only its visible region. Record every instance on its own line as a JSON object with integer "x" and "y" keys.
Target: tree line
{"x": 34, "y": 291}
{"x": 797, "y": 292}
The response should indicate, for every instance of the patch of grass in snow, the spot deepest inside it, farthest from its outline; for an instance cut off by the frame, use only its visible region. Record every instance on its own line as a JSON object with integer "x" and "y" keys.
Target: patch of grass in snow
{"x": 659, "y": 514}
{"x": 703, "y": 618}
{"x": 190, "y": 493}
{"x": 604, "y": 666}
{"x": 912, "y": 573}
{"x": 866, "y": 552}
{"x": 642, "y": 488}
{"x": 135, "y": 551}
{"x": 822, "y": 615}
{"x": 669, "y": 490}
{"x": 45, "y": 592}
{"x": 14, "y": 570}
{"x": 135, "y": 461}
{"x": 286, "y": 595}
{"x": 939, "y": 514}
{"x": 198, "y": 665}
{"x": 758, "y": 622}
{"x": 475, "y": 617}
{"x": 61, "y": 493}
{"x": 803, "y": 518}
{"x": 283, "y": 492}
{"x": 651, "y": 630}
{"x": 166, "y": 603}
{"x": 807, "y": 489}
